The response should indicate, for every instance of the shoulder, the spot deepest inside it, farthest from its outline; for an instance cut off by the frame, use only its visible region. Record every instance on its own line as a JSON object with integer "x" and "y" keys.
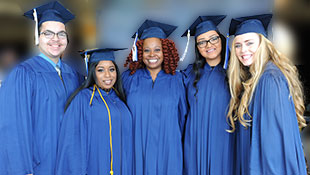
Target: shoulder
{"x": 186, "y": 72}
{"x": 272, "y": 73}
{"x": 273, "y": 79}
{"x": 126, "y": 74}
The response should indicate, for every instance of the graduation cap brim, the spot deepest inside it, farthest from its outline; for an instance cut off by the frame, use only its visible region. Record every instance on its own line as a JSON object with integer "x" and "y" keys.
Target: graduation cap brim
{"x": 151, "y": 28}
{"x": 53, "y": 11}
{"x": 257, "y": 24}
{"x": 208, "y": 23}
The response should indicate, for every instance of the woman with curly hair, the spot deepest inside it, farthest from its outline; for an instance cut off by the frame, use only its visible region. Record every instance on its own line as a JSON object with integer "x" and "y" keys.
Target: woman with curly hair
{"x": 155, "y": 95}
{"x": 208, "y": 147}
{"x": 266, "y": 106}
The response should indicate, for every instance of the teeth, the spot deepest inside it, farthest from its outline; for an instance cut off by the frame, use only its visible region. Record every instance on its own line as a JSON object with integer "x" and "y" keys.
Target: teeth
{"x": 107, "y": 81}
{"x": 211, "y": 50}
{"x": 246, "y": 56}
{"x": 152, "y": 61}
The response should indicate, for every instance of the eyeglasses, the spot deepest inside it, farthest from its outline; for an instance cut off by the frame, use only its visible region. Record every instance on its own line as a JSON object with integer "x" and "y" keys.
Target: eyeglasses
{"x": 204, "y": 43}
{"x": 49, "y": 34}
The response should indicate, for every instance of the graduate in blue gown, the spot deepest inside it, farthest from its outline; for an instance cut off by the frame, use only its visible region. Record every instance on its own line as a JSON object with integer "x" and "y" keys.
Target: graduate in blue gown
{"x": 96, "y": 132}
{"x": 156, "y": 98}
{"x": 266, "y": 108}
{"x": 208, "y": 147}
{"x": 33, "y": 97}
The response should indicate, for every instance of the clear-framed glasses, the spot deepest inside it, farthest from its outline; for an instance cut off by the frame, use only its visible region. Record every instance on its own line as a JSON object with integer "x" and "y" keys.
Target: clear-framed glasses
{"x": 49, "y": 34}
{"x": 204, "y": 43}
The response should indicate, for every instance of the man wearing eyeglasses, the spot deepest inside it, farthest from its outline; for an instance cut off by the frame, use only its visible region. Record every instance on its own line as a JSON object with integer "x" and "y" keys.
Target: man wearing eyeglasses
{"x": 33, "y": 97}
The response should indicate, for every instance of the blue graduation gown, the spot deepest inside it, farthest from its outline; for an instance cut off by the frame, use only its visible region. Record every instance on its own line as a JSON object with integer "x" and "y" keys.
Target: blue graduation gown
{"x": 208, "y": 147}
{"x": 84, "y": 141}
{"x": 158, "y": 110}
{"x": 272, "y": 145}
{"x": 32, "y": 100}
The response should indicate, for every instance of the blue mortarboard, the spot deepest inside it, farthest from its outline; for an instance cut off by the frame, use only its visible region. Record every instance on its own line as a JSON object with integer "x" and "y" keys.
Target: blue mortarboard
{"x": 155, "y": 29}
{"x": 96, "y": 55}
{"x": 150, "y": 29}
{"x": 257, "y": 24}
{"x": 201, "y": 25}
{"x": 204, "y": 24}
{"x": 52, "y": 11}
{"x": 106, "y": 54}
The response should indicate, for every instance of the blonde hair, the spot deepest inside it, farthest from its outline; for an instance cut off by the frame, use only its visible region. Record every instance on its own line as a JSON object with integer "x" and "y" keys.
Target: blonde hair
{"x": 242, "y": 84}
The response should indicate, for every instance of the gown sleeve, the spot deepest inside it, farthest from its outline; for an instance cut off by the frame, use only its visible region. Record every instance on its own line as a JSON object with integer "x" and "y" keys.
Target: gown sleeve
{"x": 183, "y": 106}
{"x": 186, "y": 74}
{"x": 275, "y": 144}
{"x": 73, "y": 144}
{"x": 17, "y": 148}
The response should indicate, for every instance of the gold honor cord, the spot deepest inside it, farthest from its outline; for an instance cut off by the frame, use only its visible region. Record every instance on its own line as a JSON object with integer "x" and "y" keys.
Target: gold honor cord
{"x": 91, "y": 99}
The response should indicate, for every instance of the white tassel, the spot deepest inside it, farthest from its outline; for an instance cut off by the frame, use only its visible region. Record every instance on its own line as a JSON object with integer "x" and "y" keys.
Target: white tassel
{"x": 134, "y": 49}
{"x": 86, "y": 63}
{"x": 36, "y": 30}
{"x": 186, "y": 48}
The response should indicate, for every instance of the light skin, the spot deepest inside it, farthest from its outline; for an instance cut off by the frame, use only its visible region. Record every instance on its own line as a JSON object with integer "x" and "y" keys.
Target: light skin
{"x": 211, "y": 52}
{"x": 53, "y": 48}
{"x": 153, "y": 56}
{"x": 245, "y": 46}
{"x": 106, "y": 75}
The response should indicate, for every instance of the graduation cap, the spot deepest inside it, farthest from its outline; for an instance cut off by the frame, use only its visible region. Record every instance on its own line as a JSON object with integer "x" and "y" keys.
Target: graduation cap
{"x": 52, "y": 11}
{"x": 256, "y": 24}
{"x": 96, "y": 55}
{"x": 155, "y": 29}
{"x": 150, "y": 29}
{"x": 201, "y": 25}
{"x": 204, "y": 24}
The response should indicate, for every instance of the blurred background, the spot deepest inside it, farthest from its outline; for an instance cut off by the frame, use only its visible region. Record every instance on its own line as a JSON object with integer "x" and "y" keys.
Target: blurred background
{"x": 111, "y": 23}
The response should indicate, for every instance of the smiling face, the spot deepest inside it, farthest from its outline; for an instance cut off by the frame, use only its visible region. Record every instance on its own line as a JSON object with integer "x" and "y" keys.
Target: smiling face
{"x": 153, "y": 54}
{"x": 54, "y": 47}
{"x": 106, "y": 74}
{"x": 209, "y": 45}
{"x": 246, "y": 46}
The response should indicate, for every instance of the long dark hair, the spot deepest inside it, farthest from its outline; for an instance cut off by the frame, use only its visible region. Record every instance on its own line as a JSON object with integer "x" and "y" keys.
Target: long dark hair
{"x": 200, "y": 61}
{"x": 91, "y": 80}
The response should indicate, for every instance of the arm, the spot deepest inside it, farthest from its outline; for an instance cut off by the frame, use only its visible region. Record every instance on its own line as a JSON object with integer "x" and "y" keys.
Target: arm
{"x": 16, "y": 123}
{"x": 73, "y": 139}
{"x": 275, "y": 144}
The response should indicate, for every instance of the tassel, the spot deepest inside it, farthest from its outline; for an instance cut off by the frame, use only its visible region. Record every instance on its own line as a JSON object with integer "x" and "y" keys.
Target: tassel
{"x": 134, "y": 50}
{"x": 36, "y": 30}
{"x": 86, "y": 63}
{"x": 226, "y": 52}
{"x": 186, "y": 48}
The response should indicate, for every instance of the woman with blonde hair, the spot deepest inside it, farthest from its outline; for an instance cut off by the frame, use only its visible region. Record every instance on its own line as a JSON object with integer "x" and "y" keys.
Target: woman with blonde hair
{"x": 266, "y": 106}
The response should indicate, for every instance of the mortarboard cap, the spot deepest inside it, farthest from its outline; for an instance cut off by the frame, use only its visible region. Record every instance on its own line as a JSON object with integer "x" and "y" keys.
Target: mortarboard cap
{"x": 52, "y": 11}
{"x": 96, "y": 55}
{"x": 155, "y": 29}
{"x": 256, "y": 24}
{"x": 204, "y": 24}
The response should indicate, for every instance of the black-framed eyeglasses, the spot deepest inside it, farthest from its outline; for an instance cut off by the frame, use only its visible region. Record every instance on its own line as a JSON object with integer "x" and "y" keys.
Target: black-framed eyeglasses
{"x": 204, "y": 43}
{"x": 49, "y": 34}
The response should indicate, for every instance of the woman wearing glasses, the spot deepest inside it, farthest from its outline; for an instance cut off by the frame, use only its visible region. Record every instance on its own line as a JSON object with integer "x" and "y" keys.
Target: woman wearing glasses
{"x": 208, "y": 147}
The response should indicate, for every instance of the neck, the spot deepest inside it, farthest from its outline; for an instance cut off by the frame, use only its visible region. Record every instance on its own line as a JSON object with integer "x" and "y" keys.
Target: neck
{"x": 213, "y": 62}
{"x": 154, "y": 73}
{"x": 54, "y": 59}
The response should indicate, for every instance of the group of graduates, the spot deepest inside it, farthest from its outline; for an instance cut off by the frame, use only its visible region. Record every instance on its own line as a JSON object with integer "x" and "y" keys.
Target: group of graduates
{"x": 228, "y": 113}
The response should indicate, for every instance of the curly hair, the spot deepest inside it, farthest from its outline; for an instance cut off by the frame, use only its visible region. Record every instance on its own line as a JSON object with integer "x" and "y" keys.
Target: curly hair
{"x": 243, "y": 85}
{"x": 170, "y": 54}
